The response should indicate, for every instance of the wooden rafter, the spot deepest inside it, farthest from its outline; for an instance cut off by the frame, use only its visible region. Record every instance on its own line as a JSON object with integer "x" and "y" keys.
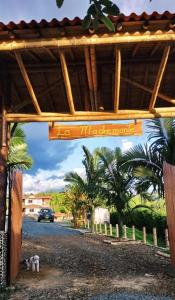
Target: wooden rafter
{"x": 149, "y": 90}
{"x": 117, "y": 80}
{"x": 159, "y": 77}
{"x": 50, "y": 53}
{"x": 136, "y": 48}
{"x": 67, "y": 83}
{"x": 94, "y": 74}
{"x": 101, "y": 39}
{"x": 155, "y": 48}
{"x": 92, "y": 116}
{"x": 27, "y": 82}
{"x": 89, "y": 75}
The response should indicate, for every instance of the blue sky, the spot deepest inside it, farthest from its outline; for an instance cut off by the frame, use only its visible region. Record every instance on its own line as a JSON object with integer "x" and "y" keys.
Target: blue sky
{"x": 52, "y": 159}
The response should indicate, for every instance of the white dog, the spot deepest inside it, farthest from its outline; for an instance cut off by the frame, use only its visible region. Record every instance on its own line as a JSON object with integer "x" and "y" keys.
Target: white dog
{"x": 33, "y": 262}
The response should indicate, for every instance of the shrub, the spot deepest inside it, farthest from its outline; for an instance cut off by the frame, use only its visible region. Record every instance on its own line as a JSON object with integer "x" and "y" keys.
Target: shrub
{"x": 143, "y": 217}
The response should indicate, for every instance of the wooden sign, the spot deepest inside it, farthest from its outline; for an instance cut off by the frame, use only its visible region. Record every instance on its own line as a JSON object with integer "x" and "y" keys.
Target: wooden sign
{"x": 70, "y": 132}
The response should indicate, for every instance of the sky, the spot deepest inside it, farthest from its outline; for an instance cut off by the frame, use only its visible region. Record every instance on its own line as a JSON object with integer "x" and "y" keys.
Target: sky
{"x": 52, "y": 159}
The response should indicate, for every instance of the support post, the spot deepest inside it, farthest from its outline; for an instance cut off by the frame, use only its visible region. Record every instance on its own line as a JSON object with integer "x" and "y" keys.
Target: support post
{"x": 124, "y": 232}
{"x": 155, "y": 237}
{"x": 3, "y": 169}
{"x": 133, "y": 233}
{"x": 144, "y": 235}
{"x": 167, "y": 238}
{"x": 110, "y": 227}
{"x": 169, "y": 186}
{"x": 106, "y": 233}
{"x": 117, "y": 231}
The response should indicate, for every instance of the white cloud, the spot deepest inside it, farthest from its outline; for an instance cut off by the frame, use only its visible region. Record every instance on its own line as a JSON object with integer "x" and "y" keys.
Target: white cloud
{"x": 46, "y": 180}
{"x": 126, "y": 145}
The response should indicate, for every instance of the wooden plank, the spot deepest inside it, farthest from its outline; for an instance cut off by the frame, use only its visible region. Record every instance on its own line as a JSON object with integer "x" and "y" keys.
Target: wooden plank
{"x": 89, "y": 76}
{"x": 27, "y": 82}
{"x": 117, "y": 80}
{"x": 159, "y": 77}
{"x": 67, "y": 83}
{"x": 107, "y": 39}
{"x": 169, "y": 179}
{"x": 70, "y": 132}
{"x": 149, "y": 90}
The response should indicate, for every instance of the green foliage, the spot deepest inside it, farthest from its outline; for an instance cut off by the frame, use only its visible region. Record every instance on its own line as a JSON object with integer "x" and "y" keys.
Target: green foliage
{"x": 98, "y": 11}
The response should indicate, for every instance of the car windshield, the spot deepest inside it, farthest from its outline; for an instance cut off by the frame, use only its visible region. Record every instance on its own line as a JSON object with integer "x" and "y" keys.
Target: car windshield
{"x": 46, "y": 211}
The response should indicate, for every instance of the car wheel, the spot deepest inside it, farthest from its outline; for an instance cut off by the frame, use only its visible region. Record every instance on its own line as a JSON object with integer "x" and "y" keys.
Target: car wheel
{"x": 52, "y": 221}
{"x": 38, "y": 220}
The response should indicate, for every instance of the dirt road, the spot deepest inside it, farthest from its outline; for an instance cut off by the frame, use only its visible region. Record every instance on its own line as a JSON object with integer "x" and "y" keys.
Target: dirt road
{"x": 75, "y": 266}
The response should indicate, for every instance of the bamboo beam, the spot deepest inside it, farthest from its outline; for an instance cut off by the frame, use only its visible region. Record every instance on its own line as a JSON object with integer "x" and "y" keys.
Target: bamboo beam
{"x": 159, "y": 77}
{"x": 27, "y": 82}
{"x": 117, "y": 80}
{"x": 107, "y": 39}
{"x": 94, "y": 74}
{"x": 67, "y": 83}
{"x": 136, "y": 48}
{"x": 89, "y": 75}
{"x": 155, "y": 48}
{"x": 149, "y": 90}
{"x": 122, "y": 115}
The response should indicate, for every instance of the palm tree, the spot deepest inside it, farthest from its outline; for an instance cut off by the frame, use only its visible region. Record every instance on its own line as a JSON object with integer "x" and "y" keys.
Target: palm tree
{"x": 77, "y": 202}
{"x": 89, "y": 185}
{"x": 119, "y": 186}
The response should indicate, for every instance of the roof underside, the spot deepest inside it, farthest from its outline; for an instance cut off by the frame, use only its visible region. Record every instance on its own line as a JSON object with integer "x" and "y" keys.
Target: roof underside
{"x": 50, "y": 71}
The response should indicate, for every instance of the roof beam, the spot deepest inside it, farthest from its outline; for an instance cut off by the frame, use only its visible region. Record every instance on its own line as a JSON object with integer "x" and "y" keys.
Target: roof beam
{"x": 94, "y": 74}
{"x": 92, "y": 116}
{"x": 89, "y": 75}
{"x": 117, "y": 79}
{"x": 27, "y": 82}
{"x": 159, "y": 77}
{"x": 109, "y": 38}
{"x": 149, "y": 90}
{"x": 67, "y": 83}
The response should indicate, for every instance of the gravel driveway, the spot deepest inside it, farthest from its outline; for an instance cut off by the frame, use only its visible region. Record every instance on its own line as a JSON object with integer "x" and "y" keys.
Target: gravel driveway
{"x": 76, "y": 266}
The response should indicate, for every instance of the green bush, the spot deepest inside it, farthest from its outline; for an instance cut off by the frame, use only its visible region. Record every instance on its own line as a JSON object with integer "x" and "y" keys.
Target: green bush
{"x": 143, "y": 217}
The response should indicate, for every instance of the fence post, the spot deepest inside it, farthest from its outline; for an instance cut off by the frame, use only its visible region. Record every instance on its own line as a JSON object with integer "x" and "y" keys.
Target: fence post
{"x": 167, "y": 238}
{"x": 100, "y": 228}
{"x": 144, "y": 235}
{"x": 117, "y": 231}
{"x": 155, "y": 237}
{"x": 124, "y": 232}
{"x": 110, "y": 227}
{"x": 106, "y": 229}
{"x": 133, "y": 233}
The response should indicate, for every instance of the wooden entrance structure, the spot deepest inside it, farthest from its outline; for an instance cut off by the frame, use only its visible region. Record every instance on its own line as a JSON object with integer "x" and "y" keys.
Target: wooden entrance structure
{"x": 55, "y": 71}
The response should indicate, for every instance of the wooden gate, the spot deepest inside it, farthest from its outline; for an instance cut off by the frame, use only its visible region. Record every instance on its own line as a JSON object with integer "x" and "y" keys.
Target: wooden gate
{"x": 16, "y": 225}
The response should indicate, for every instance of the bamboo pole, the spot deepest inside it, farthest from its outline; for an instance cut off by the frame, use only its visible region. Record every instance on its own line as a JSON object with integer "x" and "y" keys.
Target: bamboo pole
{"x": 133, "y": 233}
{"x": 117, "y": 231}
{"x": 117, "y": 80}
{"x": 159, "y": 77}
{"x": 27, "y": 82}
{"x": 155, "y": 237}
{"x": 124, "y": 232}
{"x": 89, "y": 75}
{"x": 110, "y": 228}
{"x": 149, "y": 90}
{"x": 100, "y": 39}
{"x": 167, "y": 238}
{"x": 67, "y": 83}
{"x": 94, "y": 75}
{"x": 144, "y": 235}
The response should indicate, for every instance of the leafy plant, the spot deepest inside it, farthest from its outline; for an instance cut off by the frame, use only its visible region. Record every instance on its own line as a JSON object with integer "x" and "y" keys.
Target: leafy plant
{"x": 98, "y": 11}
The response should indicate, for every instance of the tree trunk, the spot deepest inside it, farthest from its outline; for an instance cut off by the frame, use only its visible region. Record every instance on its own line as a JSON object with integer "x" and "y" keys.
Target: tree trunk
{"x": 120, "y": 223}
{"x": 92, "y": 217}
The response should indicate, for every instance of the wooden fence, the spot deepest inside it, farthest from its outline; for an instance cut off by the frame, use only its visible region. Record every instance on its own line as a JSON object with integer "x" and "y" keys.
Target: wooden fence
{"x": 108, "y": 230}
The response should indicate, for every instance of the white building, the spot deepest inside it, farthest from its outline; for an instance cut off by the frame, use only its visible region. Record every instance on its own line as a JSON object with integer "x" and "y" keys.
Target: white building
{"x": 102, "y": 215}
{"x": 33, "y": 204}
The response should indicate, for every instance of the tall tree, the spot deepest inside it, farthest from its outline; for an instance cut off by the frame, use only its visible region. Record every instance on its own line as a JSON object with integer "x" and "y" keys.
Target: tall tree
{"x": 90, "y": 183}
